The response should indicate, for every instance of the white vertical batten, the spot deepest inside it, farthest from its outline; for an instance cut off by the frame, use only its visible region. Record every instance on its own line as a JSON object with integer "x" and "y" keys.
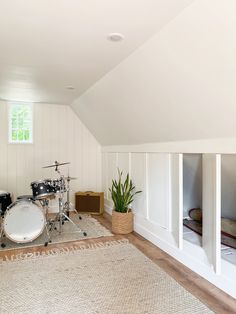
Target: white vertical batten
{"x": 177, "y": 198}
{"x": 181, "y": 201}
{"x": 218, "y": 216}
{"x": 211, "y": 209}
{"x": 168, "y": 196}
{"x": 147, "y": 185}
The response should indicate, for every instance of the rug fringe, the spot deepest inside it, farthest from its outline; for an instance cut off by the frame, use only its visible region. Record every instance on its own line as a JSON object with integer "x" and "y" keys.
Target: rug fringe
{"x": 73, "y": 249}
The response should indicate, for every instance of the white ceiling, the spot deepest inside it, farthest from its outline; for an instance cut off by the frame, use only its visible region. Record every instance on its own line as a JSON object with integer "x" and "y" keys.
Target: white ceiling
{"x": 180, "y": 85}
{"x": 46, "y": 45}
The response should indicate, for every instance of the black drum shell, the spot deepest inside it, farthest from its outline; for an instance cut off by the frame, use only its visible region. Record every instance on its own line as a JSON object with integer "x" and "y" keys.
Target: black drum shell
{"x": 5, "y": 201}
{"x": 42, "y": 189}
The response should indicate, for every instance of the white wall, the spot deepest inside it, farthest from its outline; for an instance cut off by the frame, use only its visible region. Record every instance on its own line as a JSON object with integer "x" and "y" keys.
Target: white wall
{"x": 180, "y": 85}
{"x": 192, "y": 182}
{"x": 58, "y": 135}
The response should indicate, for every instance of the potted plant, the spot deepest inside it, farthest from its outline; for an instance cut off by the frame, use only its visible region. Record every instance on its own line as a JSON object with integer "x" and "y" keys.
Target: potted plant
{"x": 122, "y": 194}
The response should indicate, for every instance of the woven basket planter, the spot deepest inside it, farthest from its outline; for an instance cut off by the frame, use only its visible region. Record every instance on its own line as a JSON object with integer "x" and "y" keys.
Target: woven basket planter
{"x": 122, "y": 223}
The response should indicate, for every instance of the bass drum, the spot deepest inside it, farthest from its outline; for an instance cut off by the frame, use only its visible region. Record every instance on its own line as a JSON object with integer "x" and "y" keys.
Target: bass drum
{"x": 24, "y": 221}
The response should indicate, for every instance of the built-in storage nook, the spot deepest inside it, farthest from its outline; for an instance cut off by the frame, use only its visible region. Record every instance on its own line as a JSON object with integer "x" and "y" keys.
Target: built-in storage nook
{"x": 192, "y": 198}
{"x": 228, "y": 208}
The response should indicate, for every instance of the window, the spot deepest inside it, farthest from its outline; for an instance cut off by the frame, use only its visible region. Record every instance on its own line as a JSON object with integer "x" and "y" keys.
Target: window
{"x": 20, "y": 123}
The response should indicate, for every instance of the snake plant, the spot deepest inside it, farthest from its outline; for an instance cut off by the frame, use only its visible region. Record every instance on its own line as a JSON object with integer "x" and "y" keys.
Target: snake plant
{"x": 122, "y": 193}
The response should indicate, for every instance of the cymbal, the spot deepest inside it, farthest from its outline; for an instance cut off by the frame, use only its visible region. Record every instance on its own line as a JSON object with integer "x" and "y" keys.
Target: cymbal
{"x": 57, "y": 164}
{"x": 68, "y": 178}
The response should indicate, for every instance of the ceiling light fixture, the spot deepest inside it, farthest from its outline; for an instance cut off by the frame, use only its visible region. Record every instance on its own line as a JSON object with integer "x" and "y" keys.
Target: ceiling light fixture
{"x": 115, "y": 37}
{"x": 70, "y": 87}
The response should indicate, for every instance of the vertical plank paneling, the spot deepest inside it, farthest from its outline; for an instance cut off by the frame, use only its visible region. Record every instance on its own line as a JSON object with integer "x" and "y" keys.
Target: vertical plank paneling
{"x": 112, "y": 170}
{"x": 58, "y": 135}
{"x": 3, "y": 148}
{"x": 104, "y": 175}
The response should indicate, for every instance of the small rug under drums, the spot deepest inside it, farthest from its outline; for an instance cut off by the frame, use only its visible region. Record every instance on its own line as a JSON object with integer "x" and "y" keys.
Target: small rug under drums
{"x": 70, "y": 233}
{"x": 109, "y": 278}
{"x": 197, "y": 227}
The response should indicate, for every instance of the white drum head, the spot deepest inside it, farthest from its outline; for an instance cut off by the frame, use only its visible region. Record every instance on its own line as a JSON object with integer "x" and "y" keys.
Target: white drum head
{"x": 23, "y": 222}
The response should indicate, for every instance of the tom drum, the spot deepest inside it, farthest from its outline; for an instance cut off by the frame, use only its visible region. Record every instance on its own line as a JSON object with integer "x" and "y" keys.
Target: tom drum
{"x": 42, "y": 189}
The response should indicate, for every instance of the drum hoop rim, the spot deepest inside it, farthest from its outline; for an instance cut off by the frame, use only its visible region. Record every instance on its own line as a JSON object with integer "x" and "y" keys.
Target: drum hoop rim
{"x": 22, "y": 200}
{"x": 40, "y": 181}
{"x": 30, "y": 198}
{"x": 35, "y": 237}
{"x": 44, "y": 194}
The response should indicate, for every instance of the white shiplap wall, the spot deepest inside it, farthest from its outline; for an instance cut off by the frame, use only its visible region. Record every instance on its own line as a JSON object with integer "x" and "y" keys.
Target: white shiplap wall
{"x": 58, "y": 135}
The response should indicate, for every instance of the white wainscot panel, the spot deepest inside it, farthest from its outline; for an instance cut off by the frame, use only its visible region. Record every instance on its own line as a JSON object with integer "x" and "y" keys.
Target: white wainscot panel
{"x": 138, "y": 174}
{"x": 123, "y": 163}
{"x": 159, "y": 188}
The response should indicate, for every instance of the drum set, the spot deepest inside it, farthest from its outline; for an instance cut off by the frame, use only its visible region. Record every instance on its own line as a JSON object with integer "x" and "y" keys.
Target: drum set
{"x": 26, "y": 219}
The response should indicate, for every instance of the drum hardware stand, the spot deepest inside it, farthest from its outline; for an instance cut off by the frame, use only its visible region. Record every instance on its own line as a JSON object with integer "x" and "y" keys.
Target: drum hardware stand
{"x": 2, "y": 235}
{"x": 44, "y": 203}
{"x": 68, "y": 205}
{"x": 61, "y": 216}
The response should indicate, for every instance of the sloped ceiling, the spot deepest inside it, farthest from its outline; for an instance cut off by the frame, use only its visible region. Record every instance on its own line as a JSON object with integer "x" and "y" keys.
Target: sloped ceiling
{"x": 180, "y": 85}
{"x": 47, "y": 45}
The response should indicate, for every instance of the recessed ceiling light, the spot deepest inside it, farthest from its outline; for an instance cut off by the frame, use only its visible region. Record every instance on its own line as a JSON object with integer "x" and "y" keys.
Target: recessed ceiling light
{"x": 70, "y": 87}
{"x": 115, "y": 37}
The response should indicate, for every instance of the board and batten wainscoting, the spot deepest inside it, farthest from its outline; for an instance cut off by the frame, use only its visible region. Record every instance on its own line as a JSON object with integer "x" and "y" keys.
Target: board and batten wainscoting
{"x": 159, "y": 208}
{"x": 58, "y": 134}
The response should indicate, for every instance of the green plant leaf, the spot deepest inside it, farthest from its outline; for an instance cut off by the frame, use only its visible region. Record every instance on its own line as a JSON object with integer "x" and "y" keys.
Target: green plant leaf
{"x": 122, "y": 193}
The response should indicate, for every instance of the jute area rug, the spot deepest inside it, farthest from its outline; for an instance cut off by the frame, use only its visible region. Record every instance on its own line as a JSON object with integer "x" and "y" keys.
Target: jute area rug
{"x": 108, "y": 278}
{"x": 70, "y": 233}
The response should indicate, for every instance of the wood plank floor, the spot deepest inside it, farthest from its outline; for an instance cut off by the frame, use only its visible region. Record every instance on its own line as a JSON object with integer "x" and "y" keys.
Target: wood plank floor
{"x": 207, "y": 293}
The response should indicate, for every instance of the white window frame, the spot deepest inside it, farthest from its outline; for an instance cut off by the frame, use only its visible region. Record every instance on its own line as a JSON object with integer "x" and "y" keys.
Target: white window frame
{"x": 10, "y": 106}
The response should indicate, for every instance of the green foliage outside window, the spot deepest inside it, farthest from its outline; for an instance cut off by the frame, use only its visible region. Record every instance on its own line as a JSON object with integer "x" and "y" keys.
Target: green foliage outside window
{"x": 21, "y": 123}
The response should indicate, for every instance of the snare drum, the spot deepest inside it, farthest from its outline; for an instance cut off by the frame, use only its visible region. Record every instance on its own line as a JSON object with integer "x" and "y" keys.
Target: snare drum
{"x": 5, "y": 201}
{"x": 42, "y": 189}
{"x": 23, "y": 221}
